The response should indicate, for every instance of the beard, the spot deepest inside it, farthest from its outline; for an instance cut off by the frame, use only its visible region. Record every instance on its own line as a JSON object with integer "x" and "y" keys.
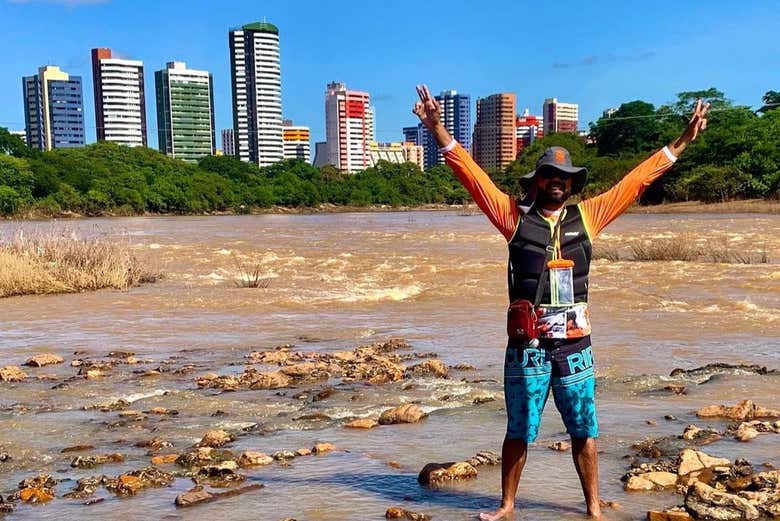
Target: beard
{"x": 547, "y": 195}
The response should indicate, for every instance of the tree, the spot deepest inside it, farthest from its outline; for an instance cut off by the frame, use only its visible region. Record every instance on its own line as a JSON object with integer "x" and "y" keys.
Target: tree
{"x": 632, "y": 128}
{"x": 771, "y": 101}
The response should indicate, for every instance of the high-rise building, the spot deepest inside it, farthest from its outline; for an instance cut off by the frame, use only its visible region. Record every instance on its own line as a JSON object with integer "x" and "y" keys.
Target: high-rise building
{"x": 228, "y": 142}
{"x": 405, "y": 152}
{"x": 495, "y": 143}
{"x": 528, "y": 128}
{"x": 53, "y": 109}
{"x": 257, "y": 93}
{"x": 120, "y": 104}
{"x": 414, "y": 134}
{"x": 456, "y": 118}
{"x": 349, "y": 127}
{"x": 296, "y": 142}
{"x": 185, "y": 112}
{"x": 559, "y": 117}
{"x": 320, "y": 154}
{"x": 21, "y": 134}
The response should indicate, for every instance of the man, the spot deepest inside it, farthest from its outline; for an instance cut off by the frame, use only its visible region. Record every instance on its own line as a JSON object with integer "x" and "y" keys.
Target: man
{"x": 537, "y": 228}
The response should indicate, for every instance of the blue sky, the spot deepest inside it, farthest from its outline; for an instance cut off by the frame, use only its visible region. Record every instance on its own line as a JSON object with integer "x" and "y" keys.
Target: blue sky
{"x": 598, "y": 54}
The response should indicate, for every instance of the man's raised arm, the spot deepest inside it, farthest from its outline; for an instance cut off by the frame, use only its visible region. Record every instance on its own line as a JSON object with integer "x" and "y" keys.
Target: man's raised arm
{"x": 499, "y": 207}
{"x": 601, "y": 210}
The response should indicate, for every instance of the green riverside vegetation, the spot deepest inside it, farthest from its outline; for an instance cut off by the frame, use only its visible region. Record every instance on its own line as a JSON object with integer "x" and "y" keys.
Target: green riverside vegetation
{"x": 738, "y": 156}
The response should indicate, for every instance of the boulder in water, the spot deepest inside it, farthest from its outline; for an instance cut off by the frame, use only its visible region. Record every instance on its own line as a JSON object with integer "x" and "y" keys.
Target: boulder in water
{"x": 439, "y": 473}
{"x": 744, "y": 410}
{"x": 44, "y": 359}
{"x": 706, "y": 502}
{"x": 12, "y": 373}
{"x": 407, "y": 413}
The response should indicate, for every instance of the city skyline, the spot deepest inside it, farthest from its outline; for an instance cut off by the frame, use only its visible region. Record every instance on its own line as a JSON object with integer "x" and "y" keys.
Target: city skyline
{"x": 597, "y": 72}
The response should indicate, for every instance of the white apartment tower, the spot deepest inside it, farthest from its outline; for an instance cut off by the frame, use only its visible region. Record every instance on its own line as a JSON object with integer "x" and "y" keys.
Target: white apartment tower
{"x": 120, "y": 104}
{"x": 257, "y": 93}
{"x": 349, "y": 127}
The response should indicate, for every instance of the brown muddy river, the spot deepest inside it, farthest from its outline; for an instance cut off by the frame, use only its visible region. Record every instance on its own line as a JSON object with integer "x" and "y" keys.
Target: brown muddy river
{"x": 338, "y": 281}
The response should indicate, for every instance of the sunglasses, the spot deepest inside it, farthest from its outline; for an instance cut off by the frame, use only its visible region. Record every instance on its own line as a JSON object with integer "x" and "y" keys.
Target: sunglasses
{"x": 549, "y": 173}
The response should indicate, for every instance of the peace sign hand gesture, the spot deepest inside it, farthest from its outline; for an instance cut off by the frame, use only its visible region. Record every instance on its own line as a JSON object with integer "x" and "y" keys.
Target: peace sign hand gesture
{"x": 427, "y": 109}
{"x": 697, "y": 123}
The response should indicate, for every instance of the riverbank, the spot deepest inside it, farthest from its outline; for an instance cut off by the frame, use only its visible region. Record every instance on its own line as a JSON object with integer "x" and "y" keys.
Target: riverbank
{"x": 760, "y": 206}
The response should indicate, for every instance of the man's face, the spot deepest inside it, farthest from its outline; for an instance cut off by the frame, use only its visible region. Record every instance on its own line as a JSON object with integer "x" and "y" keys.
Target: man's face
{"x": 553, "y": 186}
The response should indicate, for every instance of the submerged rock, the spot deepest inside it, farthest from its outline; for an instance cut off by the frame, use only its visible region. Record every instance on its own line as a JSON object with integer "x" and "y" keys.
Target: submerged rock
{"x": 651, "y": 481}
{"x": 44, "y": 359}
{"x": 407, "y": 413}
{"x": 12, "y": 373}
{"x": 132, "y": 482}
{"x": 201, "y": 456}
{"x": 400, "y": 513}
{"x": 198, "y": 495}
{"x": 322, "y": 448}
{"x": 88, "y": 462}
{"x": 710, "y": 369}
{"x": 440, "y": 473}
{"x": 561, "y": 446}
{"x": 86, "y": 487}
{"x": 39, "y": 489}
{"x": 744, "y": 410}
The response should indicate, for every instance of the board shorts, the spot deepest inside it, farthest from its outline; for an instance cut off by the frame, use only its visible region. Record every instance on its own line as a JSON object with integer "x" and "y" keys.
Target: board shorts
{"x": 566, "y": 366}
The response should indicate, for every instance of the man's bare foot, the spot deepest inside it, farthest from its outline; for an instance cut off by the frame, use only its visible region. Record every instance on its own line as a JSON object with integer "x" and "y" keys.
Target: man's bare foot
{"x": 595, "y": 513}
{"x": 502, "y": 513}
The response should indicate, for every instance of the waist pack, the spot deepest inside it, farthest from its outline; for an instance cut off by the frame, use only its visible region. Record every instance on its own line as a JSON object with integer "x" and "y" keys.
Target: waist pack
{"x": 522, "y": 321}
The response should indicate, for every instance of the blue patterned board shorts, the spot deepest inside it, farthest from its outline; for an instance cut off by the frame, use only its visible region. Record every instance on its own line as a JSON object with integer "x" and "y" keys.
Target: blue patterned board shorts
{"x": 529, "y": 373}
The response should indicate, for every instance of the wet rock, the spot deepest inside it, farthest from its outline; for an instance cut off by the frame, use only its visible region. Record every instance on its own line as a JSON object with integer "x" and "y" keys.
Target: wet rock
{"x": 115, "y": 404}
{"x": 407, "y": 413}
{"x": 254, "y": 459}
{"x": 274, "y": 380}
{"x": 303, "y": 452}
{"x": 651, "y": 422}
{"x": 700, "y": 436}
{"x": 561, "y": 446}
{"x": 674, "y": 514}
{"x": 464, "y": 367}
{"x": 132, "y": 482}
{"x": 614, "y": 505}
{"x": 86, "y": 487}
{"x": 479, "y": 400}
{"x": 322, "y": 448}
{"x": 746, "y": 432}
{"x": 216, "y": 439}
{"x": 439, "y": 473}
{"x": 88, "y": 462}
{"x": 670, "y": 417}
{"x": 485, "y": 457}
{"x": 165, "y": 459}
{"x": 198, "y": 495}
{"x": 284, "y": 455}
{"x": 676, "y": 389}
{"x": 434, "y": 368}
{"x": 162, "y": 411}
{"x": 306, "y": 371}
{"x": 361, "y": 423}
{"x": 155, "y": 443}
{"x": 221, "y": 474}
{"x": 269, "y": 357}
{"x": 5, "y": 506}
{"x": 651, "y": 481}
{"x": 43, "y": 481}
{"x": 35, "y": 495}
{"x": 400, "y": 513}
{"x": 77, "y": 448}
{"x": 706, "y": 502}
{"x": 4, "y": 456}
{"x": 44, "y": 359}
{"x": 12, "y": 373}
{"x": 710, "y": 369}
{"x": 744, "y": 410}
{"x": 214, "y": 381}
{"x": 693, "y": 460}
{"x": 201, "y": 456}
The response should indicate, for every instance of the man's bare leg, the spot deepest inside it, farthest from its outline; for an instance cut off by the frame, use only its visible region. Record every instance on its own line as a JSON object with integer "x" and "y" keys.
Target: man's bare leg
{"x": 586, "y": 461}
{"x": 513, "y": 456}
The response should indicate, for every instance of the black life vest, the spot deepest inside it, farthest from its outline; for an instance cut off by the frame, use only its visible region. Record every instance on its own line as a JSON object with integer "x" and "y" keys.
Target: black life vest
{"x": 527, "y": 250}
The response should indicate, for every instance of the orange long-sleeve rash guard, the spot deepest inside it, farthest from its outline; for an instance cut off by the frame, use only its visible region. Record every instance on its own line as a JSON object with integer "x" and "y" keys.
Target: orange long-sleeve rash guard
{"x": 597, "y": 212}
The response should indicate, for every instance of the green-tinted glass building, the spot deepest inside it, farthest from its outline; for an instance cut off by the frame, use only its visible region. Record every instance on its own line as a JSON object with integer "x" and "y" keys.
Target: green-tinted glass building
{"x": 185, "y": 112}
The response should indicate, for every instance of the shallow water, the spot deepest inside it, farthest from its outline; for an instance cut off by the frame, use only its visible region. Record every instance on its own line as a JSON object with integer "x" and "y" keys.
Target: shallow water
{"x": 341, "y": 280}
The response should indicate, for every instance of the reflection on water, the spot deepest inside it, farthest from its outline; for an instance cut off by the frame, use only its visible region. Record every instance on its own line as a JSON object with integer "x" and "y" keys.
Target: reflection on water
{"x": 338, "y": 281}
